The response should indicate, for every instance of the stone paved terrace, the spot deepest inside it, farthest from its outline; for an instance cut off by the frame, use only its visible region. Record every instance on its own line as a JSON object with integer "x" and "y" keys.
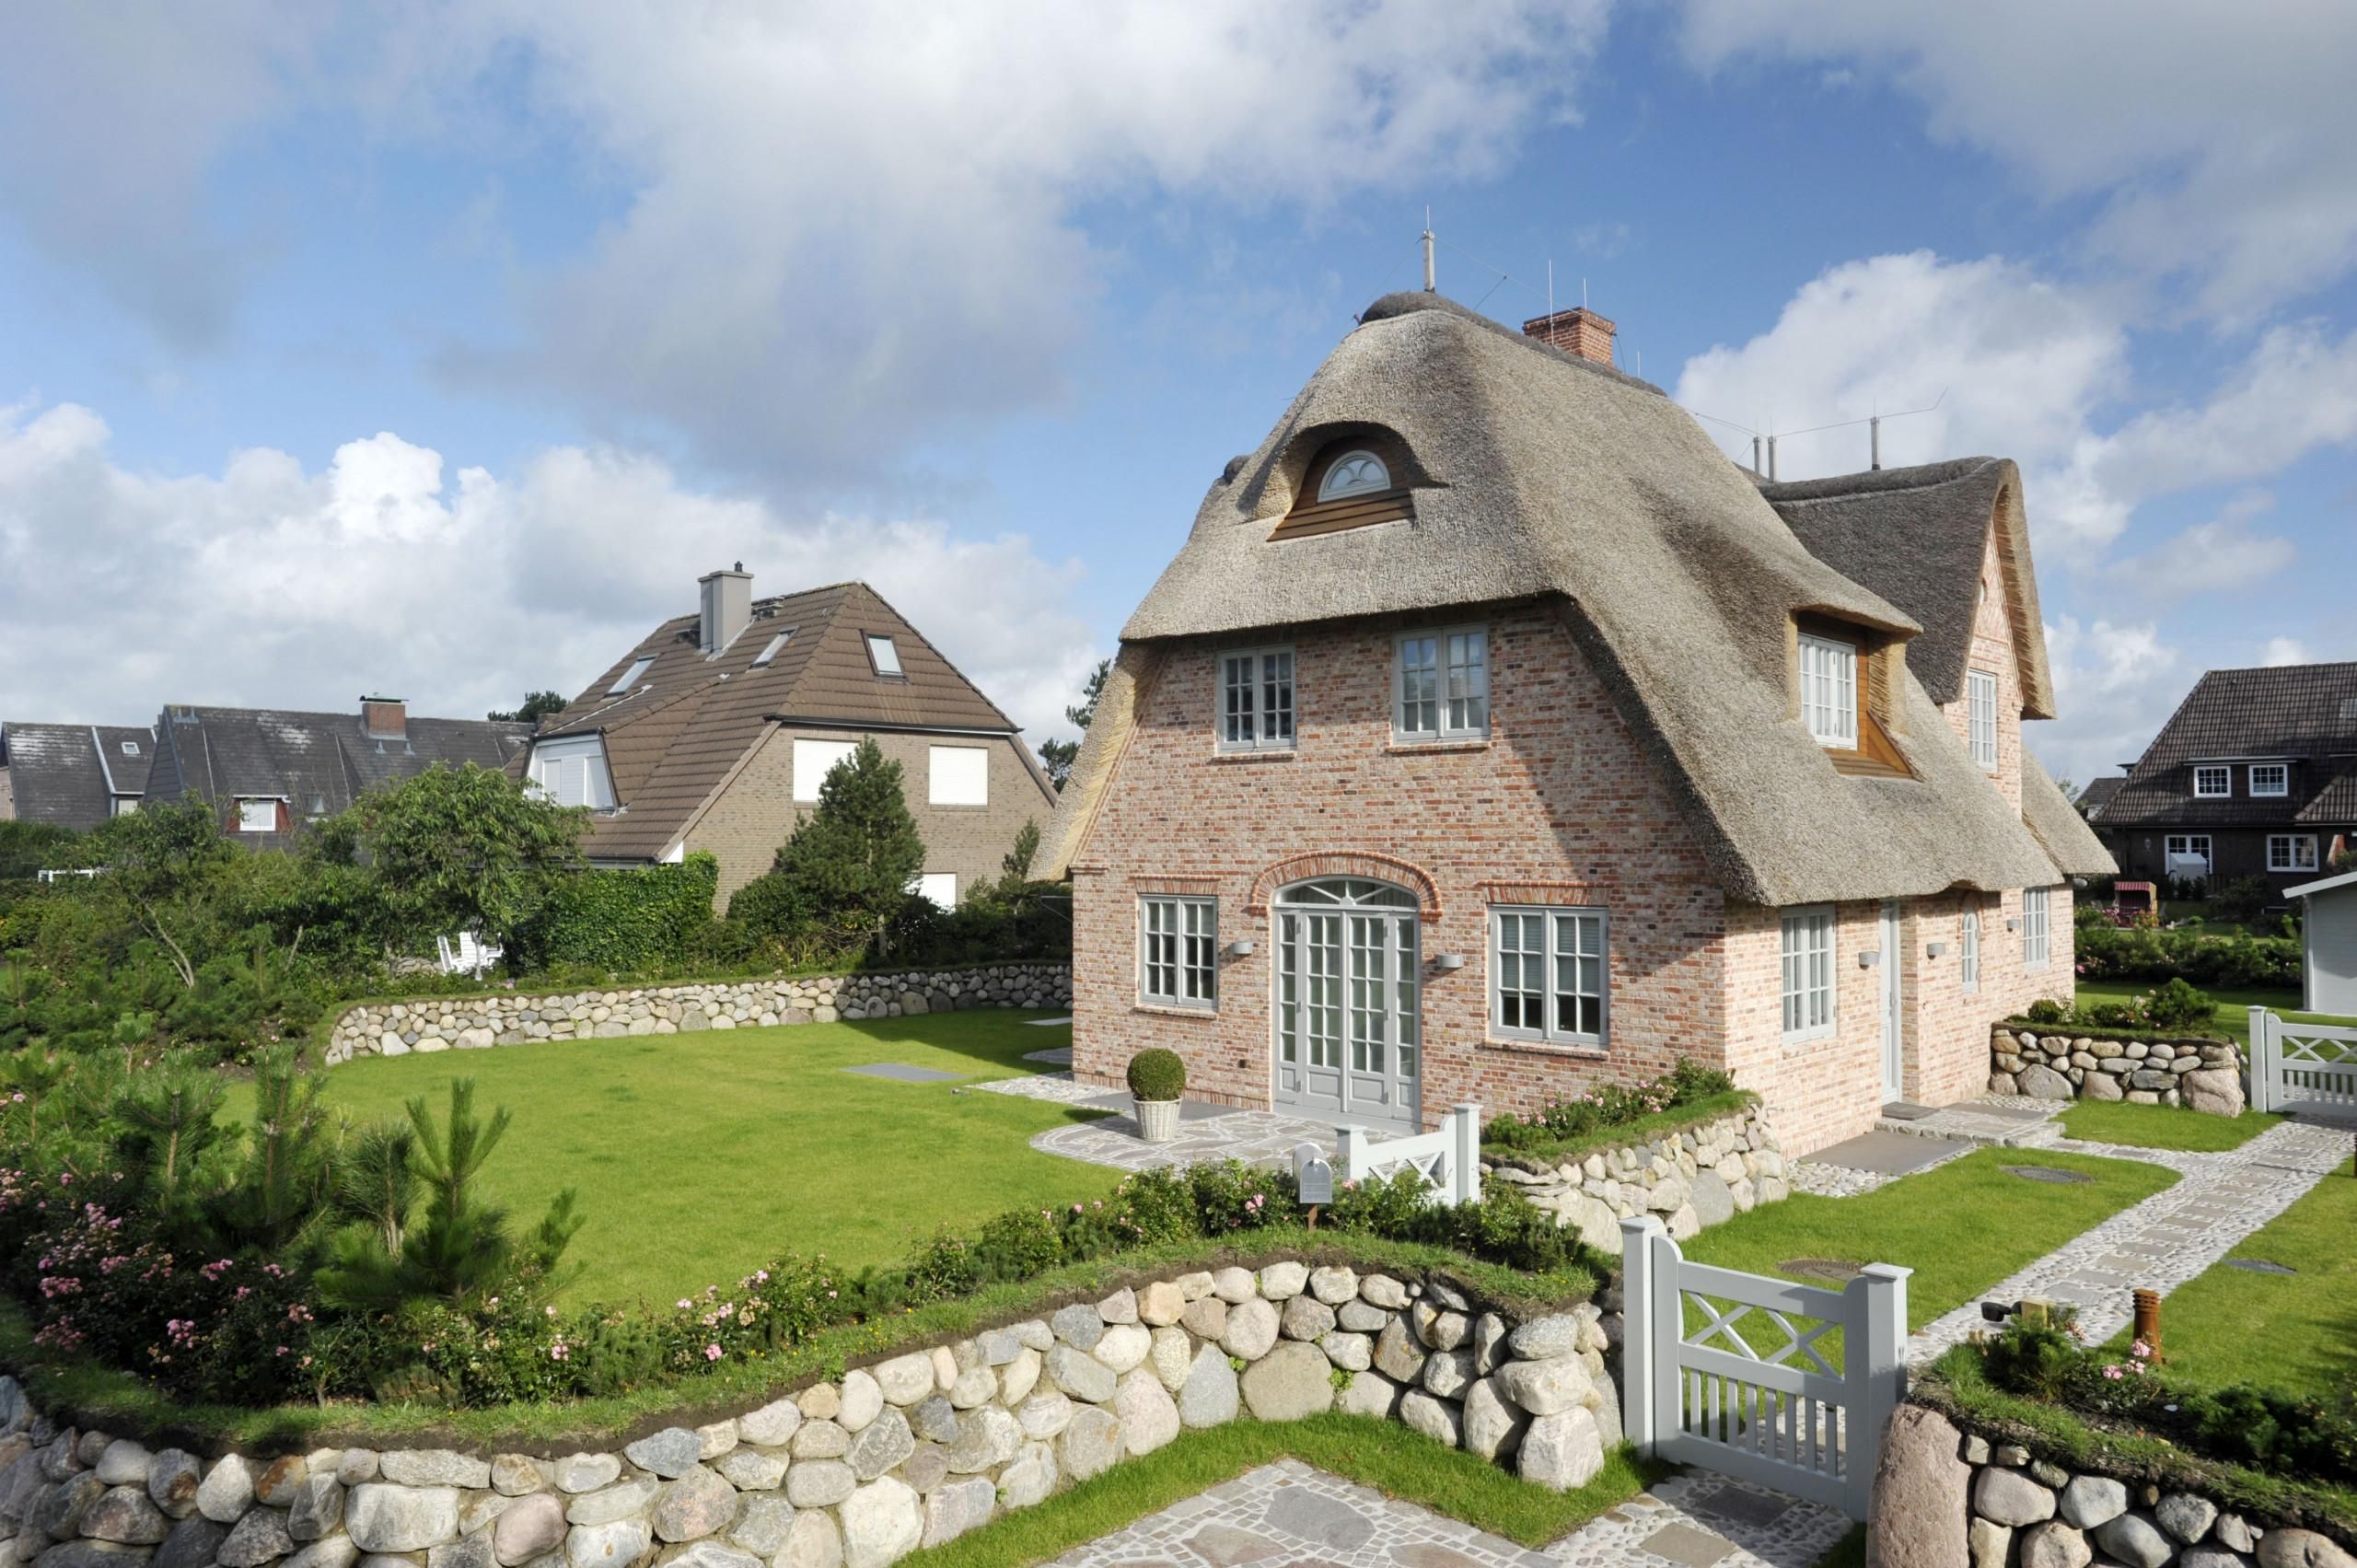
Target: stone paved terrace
{"x": 1289, "y": 1515}
{"x": 1205, "y": 1131}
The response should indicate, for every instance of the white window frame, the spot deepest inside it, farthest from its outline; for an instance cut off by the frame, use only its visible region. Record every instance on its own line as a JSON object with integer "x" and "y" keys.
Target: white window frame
{"x": 1247, "y": 709}
{"x": 630, "y": 675}
{"x": 884, "y": 656}
{"x": 1808, "y": 992}
{"x": 1592, "y": 930}
{"x": 969, "y": 767}
{"x": 1968, "y": 951}
{"x": 2224, "y": 776}
{"x": 813, "y": 777}
{"x": 1178, "y": 951}
{"x": 1830, "y": 691}
{"x": 2037, "y": 930}
{"x": 2169, "y": 842}
{"x": 571, "y": 771}
{"x": 2293, "y": 845}
{"x": 1458, "y": 695}
{"x": 2281, "y": 777}
{"x": 1332, "y": 487}
{"x": 248, "y": 805}
{"x": 937, "y": 888}
{"x": 775, "y": 646}
{"x": 1980, "y": 706}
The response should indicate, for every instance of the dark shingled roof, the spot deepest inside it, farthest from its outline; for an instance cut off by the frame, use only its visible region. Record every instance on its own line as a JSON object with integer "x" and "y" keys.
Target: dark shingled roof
{"x": 673, "y": 739}
{"x": 1537, "y": 475}
{"x": 1917, "y": 536}
{"x": 318, "y": 764}
{"x": 69, "y": 774}
{"x": 2305, "y": 714}
{"x": 2098, "y": 795}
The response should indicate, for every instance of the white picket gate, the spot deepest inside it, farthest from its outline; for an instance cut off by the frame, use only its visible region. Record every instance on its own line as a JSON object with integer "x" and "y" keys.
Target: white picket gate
{"x": 2301, "y": 1066}
{"x": 1788, "y": 1418}
{"x": 1449, "y": 1159}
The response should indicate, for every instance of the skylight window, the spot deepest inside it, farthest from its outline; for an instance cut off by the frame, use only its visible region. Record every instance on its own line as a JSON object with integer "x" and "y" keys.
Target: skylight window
{"x": 884, "y": 656}
{"x": 131, "y": 748}
{"x": 1355, "y": 474}
{"x": 629, "y": 676}
{"x": 775, "y": 643}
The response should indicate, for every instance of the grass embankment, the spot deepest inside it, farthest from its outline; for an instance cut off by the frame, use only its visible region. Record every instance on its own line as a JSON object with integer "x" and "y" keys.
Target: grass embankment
{"x": 2233, "y": 1018}
{"x": 1961, "y": 1228}
{"x": 2164, "y": 1126}
{"x": 1661, "y": 1124}
{"x": 1392, "y": 1458}
{"x": 700, "y": 1157}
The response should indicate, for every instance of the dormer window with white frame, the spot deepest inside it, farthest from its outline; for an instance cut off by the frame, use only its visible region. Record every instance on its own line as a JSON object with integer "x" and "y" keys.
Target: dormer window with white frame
{"x": 2213, "y": 782}
{"x": 630, "y": 678}
{"x": 571, "y": 771}
{"x": 1256, "y": 700}
{"x": 1830, "y": 691}
{"x": 1355, "y": 472}
{"x": 257, "y": 814}
{"x": 2271, "y": 781}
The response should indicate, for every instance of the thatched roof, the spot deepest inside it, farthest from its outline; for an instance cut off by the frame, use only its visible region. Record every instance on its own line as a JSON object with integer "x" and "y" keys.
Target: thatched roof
{"x": 1538, "y": 475}
{"x": 1917, "y": 537}
{"x": 2061, "y": 831}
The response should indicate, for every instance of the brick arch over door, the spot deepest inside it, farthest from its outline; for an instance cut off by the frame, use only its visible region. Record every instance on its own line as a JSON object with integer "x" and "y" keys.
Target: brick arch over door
{"x": 1346, "y": 862}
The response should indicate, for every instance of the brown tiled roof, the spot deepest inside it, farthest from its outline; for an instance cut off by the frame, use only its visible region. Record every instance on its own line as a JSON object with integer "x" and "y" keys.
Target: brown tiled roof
{"x": 685, "y": 725}
{"x": 2302, "y": 713}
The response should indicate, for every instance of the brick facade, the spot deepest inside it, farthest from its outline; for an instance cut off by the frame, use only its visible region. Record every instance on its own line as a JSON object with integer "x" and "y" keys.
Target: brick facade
{"x": 756, "y": 810}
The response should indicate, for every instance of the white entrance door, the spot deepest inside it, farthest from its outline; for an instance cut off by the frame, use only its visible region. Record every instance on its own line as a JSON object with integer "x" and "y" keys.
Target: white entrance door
{"x": 1892, "y": 1016}
{"x": 1348, "y": 1043}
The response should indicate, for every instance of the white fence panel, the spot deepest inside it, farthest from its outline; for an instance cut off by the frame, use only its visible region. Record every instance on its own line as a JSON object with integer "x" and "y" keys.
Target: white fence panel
{"x": 1449, "y": 1159}
{"x": 1789, "y": 1418}
{"x": 2301, "y": 1066}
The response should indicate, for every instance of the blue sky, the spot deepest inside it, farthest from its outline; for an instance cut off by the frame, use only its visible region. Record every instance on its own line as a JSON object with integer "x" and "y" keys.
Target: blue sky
{"x": 440, "y": 350}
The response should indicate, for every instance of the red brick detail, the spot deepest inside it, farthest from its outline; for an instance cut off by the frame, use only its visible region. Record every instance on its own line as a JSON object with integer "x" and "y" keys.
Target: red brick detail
{"x": 1556, "y": 893}
{"x": 1194, "y": 886}
{"x": 1364, "y": 864}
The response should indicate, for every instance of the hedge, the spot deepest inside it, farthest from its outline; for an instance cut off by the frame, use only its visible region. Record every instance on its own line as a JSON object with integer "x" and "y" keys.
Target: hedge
{"x": 2229, "y": 962}
{"x": 623, "y": 919}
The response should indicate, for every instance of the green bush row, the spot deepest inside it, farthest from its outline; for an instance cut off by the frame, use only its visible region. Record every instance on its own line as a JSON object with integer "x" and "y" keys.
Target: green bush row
{"x": 623, "y": 919}
{"x": 1578, "y": 1123}
{"x": 2231, "y": 963}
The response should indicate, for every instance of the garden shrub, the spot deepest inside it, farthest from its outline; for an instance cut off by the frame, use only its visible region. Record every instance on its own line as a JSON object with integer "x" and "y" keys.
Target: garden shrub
{"x": 2226, "y": 963}
{"x": 2176, "y": 1007}
{"x": 623, "y": 921}
{"x": 1605, "y": 1106}
{"x": 2242, "y": 900}
{"x": 1157, "y": 1074}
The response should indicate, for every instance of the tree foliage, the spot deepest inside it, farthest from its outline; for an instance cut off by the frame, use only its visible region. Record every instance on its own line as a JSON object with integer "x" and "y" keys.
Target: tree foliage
{"x": 1056, "y": 757}
{"x": 536, "y": 706}
{"x": 463, "y": 849}
{"x": 851, "y": 863}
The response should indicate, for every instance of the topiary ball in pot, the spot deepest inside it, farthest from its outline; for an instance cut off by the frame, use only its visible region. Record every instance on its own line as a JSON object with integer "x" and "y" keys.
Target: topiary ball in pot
{"x": 1157, "y": 1081}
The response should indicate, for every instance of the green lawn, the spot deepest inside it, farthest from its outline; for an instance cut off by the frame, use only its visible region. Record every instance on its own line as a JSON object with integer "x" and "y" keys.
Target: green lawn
{"x": 2163, "y": 1126}
{"x": 1392, "y": 1458}
{"x": 2293, "y": 1332}
{"x": 2234, "y": 1007}
{"x": 699, "y": 1157}
{"x": 1961, "y": 1228}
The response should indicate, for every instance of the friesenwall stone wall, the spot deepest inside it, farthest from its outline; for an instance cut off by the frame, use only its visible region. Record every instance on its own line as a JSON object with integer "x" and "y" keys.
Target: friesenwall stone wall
{"x": 500, "y": 1017}
{"x": 2206, "y": 1075}
{"x": 910, "y": 1451}
{"x": 1694, "y": 1179}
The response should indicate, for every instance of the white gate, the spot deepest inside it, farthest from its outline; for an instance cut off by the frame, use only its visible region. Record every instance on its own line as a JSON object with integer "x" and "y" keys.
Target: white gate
{"x": 1449, "y": 1159}
{"x": 1696, "y": 1392}
{"x": 2301, "y": 1066}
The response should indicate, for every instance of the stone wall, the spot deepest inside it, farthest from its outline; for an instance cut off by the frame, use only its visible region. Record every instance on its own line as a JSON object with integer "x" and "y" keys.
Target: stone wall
{"x": 910, "y": 1451}
{"x": 2206, "y": 1075}
{"x": 1945, "y": 1498}
{"x": 1701, "y": 1177}
{"x": 498, "y": 1018}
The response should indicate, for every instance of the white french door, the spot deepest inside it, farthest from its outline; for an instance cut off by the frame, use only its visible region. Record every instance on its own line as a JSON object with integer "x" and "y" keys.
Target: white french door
{"x": 1893, "y": 1009}
{"x": 1348, "y": 1042}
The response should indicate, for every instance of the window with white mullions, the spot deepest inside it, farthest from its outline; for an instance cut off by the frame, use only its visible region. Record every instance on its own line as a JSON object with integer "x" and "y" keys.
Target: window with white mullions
{"x": 1256, "y": 701}
{"x": 1441, "y": 685}
{"x": 1178, "y": 951}
{"x": 2213, "y": 782}
{"x": 2270, "y": 780}
{"x": 1807, "y": 954}
{"x": 1968, "y": 948}
{"x": 1830, "y": 691}
{"x": 2036, "y": 938}
{"x": 1981, "y": 687}
{"x": 1549, "y": 975}
{"x": 2291, "y": 852}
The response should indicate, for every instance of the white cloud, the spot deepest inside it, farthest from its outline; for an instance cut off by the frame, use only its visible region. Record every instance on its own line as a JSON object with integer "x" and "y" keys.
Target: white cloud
{"x": 2115, "y": 685}
{"x": 2284, "y": 650}
{"x": 2214, "y": 149}
{"x": 265, "y": 584}
{"x": 2218, "y": 556}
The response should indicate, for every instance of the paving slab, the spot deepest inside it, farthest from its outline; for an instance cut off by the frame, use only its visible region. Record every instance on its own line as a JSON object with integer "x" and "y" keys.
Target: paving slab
{"x": 900, "y": 1072}
{"x": 1884, "y": 1154}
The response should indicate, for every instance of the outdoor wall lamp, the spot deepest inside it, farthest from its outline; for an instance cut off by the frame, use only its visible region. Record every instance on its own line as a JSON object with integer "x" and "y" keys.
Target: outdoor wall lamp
{"x": 1936, "y": 950}
{"x": 2015, "y": 924}
{"x": 1240, "y": 948}
{"x": 1446, "y": 962}
{"x": 1868, "y": 959}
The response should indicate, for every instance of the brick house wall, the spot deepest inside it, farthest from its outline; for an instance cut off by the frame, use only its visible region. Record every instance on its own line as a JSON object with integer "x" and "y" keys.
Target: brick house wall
{"x": 1994, "y": 649}
{"x": 756, "y": 810}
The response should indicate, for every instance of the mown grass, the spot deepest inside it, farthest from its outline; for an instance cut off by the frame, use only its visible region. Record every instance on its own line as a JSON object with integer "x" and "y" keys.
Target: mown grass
{"x": 1383, "y": 1455}
{"x": 1661, "y": 1124}
{"x": 698, "y": 1157}
{"x": 2231, "y": 1020}
{"x": 1961, "y": 1228}
{"x": 2163, "y": 1126}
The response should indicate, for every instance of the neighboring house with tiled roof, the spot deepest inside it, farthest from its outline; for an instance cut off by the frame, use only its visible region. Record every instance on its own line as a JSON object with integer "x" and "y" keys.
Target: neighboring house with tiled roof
{"x": 270, "y": 770}
{"x": 72, "y": 775}
{"x": 2098, "y": 796}
{"x": 715, "y": 731}
{"x": 2253, "y": 775}
{"x": 1492, "y": 736}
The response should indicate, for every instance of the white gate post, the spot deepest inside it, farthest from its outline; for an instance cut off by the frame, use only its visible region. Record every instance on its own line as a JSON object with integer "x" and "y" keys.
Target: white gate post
{"x": 1350, "y": 1152}
{"x": 1637, "y": 1348}
{"x": 1465, "y": 1154}
{"x": 2261, "y": 1069}
{"x": 1875, "y": 1366}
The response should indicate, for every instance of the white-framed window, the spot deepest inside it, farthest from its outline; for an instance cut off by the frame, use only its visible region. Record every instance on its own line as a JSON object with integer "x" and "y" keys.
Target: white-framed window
{"x": 1355, "y": 474}
{"x": 813, "y": 761}
{"x": 1968, "y": 951}
{"x": 1550, "y": 974}
{"x": 884, "y": 656}
{"x": 1981, "y": 693}
{"x": 123, "y": 805}
{"x": 131, "y": 748}
{"x": 2213, "y": 782}
{"x": 1809, "y": 972}
{"x": 958, "y": 776}
{"x": 771, "y": 649}
{"x": 629, "y": 678}
{"x": 572, "y": 771}
{"x": 2291, "y": 852}
{"x": 1441, "y": 685}
{"x": 2271, "y": 779}
{"x": 1830, "y": 691}
{"x": 940, "y": 887}
{"x": 1256, "y": 700}
{"x": 1178, "y": 951}
{"x": 2188, "y": 847}
{"x": 2037, "y": 941}
{"x": 256, "y": 815}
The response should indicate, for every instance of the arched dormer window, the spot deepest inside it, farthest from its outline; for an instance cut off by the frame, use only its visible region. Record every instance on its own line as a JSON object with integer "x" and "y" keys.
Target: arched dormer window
{"x": 1355, "y": 472}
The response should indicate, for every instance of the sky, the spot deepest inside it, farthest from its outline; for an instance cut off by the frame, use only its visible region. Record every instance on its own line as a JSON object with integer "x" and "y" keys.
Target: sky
{"x": 436, "y": 350}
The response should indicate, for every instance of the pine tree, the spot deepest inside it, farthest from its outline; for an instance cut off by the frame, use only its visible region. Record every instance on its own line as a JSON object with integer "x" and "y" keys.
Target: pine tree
{"x": 854, "y": 860}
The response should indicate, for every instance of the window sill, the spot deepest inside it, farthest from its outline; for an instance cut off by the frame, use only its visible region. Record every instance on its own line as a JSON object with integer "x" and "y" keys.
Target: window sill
{"x": 1273, "y": 754}
{"x": 1577, "y": 1050}
{"x": 946, "y": 806}
{"x": 1422, "y": 748}
{"x": 1812, "y": 1037}
{"x": 1164, "y": 1010}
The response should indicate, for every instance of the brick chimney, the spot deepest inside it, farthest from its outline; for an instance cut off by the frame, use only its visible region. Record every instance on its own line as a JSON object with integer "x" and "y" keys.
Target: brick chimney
{"x": 1577, "y": 331}
{"x": 727, "y": 608}
{"x": 384, "y": 718}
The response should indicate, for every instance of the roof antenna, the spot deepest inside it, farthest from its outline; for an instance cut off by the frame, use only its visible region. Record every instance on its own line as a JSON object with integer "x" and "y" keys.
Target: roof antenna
{"x": 1583, "y": 294}
{"x": 1550, "y": 286}
{"x": 1431, "y": 286}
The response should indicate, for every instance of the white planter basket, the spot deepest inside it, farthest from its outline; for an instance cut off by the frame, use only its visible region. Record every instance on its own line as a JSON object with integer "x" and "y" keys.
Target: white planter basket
{"x": 1158, "y": 1120}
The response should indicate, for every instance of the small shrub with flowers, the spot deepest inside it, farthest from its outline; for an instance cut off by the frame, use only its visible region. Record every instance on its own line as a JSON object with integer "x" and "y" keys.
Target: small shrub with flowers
{"x": 1608, "y": 1106}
